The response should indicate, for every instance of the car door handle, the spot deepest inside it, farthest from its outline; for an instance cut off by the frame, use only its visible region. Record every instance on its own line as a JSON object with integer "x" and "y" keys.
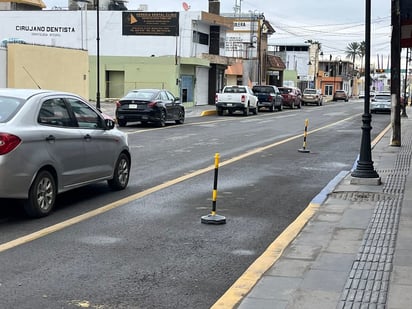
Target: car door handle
{"x": 51, "y": 138}
{"x": 87, "y": 137}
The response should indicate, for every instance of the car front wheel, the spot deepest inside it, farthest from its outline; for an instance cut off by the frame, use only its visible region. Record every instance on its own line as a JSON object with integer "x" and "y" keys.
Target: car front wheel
{"x": 122, "y": 123}
{"x": 42, "y": 195}
{"x": 181, "y": 117}
{"x": 121, "y": 173}
{"x": 280, "y": 108}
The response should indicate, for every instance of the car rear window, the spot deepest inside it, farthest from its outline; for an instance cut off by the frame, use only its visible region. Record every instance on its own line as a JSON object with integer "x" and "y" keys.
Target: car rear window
{"x": 235, "y": 90}
{"x": 383, "y": 97}
{"x": 285, "y": 90}
{"x": 263, "y": 89}
{"x": 309, "y": 91}
{"x": 140, "y": 95}
{"x": 9, "y": 107}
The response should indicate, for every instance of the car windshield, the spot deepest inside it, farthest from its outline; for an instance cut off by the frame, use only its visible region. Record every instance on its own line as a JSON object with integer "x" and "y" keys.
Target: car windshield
{"x": 309, "y": 91}
{"x": 9, "y": 107}
{"x": 140, "y": 95}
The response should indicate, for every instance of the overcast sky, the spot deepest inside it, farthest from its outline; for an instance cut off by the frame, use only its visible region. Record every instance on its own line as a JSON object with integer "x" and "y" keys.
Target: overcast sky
{"x": 333, "y": 23}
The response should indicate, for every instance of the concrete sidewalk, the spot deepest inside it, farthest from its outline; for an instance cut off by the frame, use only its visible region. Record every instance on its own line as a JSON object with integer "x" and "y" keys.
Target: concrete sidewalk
{"x": 351, "y": 248}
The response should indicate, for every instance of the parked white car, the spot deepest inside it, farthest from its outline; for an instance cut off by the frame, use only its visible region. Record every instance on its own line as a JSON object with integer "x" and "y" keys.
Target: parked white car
{"x": 236, "y": 98}
{"x": 381, "y": 102}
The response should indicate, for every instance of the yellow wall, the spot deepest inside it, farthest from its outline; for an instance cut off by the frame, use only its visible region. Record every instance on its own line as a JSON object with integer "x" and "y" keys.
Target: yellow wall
{"x": 30, "y": 66}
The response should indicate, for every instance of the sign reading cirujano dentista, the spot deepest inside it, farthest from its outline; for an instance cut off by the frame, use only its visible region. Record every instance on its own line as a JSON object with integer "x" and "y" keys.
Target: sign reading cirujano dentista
{"x": 150, "y": 23}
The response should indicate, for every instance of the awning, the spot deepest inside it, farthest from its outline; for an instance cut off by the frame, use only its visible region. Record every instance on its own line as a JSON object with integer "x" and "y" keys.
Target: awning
{"x": 37, "y": 3}
{"x": 235, "y": 69}
{"x": 275, "y": 63}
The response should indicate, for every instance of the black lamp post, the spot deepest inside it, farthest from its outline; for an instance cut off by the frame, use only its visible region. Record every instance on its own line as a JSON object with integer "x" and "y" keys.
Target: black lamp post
{"x": 364, "y": 168}
{"x": 98, "y": 56}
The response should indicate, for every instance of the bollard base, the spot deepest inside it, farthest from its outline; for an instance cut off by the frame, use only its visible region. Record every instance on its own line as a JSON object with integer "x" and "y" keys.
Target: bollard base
{"x": 213, "y": 219}
{"x": 304, "y": 150}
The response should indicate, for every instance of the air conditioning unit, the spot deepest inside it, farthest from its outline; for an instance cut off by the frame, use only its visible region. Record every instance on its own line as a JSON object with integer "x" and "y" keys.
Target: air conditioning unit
{"x": 326, "y": 74}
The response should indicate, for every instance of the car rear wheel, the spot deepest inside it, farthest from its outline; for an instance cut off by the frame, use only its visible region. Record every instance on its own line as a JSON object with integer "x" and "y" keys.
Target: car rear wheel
{"x": 121, "y": 173}
{"x": 271, "y": 108}
{"x": 42, "y": 195}
{"x": 246, "y": 111}
{"x": 162, "y": 119}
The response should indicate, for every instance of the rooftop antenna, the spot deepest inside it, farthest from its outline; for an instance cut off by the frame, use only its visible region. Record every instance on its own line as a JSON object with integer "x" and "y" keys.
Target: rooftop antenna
{"x": 238, "y": 7}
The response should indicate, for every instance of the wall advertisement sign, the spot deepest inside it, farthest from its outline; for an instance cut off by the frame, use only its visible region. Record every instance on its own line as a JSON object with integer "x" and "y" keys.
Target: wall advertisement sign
{"x": 150, "y": 23}
{"x": 406, "y": 23}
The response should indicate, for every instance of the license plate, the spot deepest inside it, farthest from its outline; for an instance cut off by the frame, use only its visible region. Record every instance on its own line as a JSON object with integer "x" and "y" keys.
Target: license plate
{"x": 132, "y": 106}
{"x": 229, "y": 104}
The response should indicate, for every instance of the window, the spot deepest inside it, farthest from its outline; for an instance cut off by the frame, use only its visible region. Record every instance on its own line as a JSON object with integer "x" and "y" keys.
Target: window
{"x": 329, "y": 90}
{"x": 9, "y": 107}
{"x": 54, "y": 112}
{"x": 170, "y": 96}
{"x": 163, "y": 96}
{"x": 85, "y": 116}
{"x": 201, "y": 38}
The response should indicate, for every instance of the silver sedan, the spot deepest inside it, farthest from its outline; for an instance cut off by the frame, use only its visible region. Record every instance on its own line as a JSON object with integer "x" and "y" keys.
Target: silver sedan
{"x": 51, "y": 142}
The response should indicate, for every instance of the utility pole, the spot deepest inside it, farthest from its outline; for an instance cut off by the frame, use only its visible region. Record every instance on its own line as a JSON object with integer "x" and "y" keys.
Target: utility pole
{"x": 395, "y": 74}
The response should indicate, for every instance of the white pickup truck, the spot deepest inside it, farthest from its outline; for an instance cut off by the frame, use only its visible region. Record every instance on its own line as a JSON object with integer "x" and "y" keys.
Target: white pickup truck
{"x": 236, "y": 98}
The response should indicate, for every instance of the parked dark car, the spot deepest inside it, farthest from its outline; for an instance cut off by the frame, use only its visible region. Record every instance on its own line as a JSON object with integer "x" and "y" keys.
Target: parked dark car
{"x": 340, "y": 95}
{"x": 269, "y": 97}
{"x": 149, "y": 105}
{"x": 52, "y": 142}
{"x": 291, "y": 97}
{"x": 312, "y": 96}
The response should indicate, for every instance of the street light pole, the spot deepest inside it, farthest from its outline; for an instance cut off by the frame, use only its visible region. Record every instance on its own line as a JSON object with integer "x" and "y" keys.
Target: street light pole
{"x": 98, "y": 56}
{"x": 364, "y": 169}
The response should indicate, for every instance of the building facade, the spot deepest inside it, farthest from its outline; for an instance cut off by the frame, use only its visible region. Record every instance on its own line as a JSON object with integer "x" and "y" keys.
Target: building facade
{"x": 183, "y": 54}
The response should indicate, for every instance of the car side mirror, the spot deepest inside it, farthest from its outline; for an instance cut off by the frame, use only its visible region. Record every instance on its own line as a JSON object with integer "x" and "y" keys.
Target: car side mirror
{"x": 109, "y": 123}
{"x": 177, "y": 99}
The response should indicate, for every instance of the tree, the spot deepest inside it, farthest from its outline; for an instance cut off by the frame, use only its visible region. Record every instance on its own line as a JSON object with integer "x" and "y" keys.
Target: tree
{"x": 352, "y": 50}
{"x": 362, "y": 51}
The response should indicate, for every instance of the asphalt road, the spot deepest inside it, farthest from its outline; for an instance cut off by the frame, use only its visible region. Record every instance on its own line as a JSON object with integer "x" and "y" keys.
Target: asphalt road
{"x": 145, "y": 247}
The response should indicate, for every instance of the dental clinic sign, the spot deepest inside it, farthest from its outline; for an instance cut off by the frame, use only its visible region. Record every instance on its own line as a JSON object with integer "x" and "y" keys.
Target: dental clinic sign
{"x": 64, "y": 29}
{"x": 45, "y": 30}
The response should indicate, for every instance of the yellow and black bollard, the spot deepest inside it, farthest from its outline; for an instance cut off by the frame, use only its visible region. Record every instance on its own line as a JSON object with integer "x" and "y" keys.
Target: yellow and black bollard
{"x": 214, "y": 218}
{"x": 304, "y": 149}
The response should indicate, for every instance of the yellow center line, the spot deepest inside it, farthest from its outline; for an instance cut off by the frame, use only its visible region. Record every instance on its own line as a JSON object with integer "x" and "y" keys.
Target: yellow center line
{"x": 64, "y": 224}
